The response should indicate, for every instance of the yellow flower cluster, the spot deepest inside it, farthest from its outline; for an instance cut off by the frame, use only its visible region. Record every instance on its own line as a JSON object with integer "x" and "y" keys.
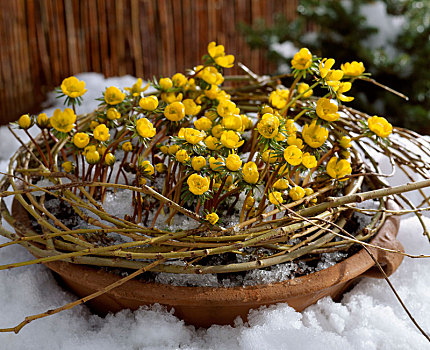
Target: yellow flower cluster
{"x": 191, "y": 141}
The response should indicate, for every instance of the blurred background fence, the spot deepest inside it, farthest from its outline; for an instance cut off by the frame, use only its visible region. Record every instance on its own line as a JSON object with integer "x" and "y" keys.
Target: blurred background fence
{"x": 44, "y": 41}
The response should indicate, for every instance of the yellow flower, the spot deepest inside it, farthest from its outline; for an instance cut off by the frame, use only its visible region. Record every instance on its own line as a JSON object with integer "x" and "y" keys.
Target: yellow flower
{"x": 232, "y": 122}
{"x": 276, "y": 198}
{"x": 345, "y": 142}
{"x": 190, "y": 107}
{"x": 101, "y": 133}
{"x": 165, "y": 83}
{"x": 137, "y": 88}
{"x": 309, "y": 161}
{"x": 216, "y": 164}
{"x": 325, "y": 66}
{"x": 212, "y": 218}
{"x": 268, "y": 126}
{"x": 179, "y": 80}
{"x": 380, "y": 126}
{"x": 332, "y": 78}
{"x": 173, "y": 149}
{"x": 210, "y": 75}
{"x": 296, "y": 193}
{"x": 219, "y": 56}
{"x": 161, "y": 168}
{"x": 145, "y": 128}
{"x": 182, "y": 156}
{"x": 212, "y": 115}
{"x": 193, "y": 136}
{"x": 302, "y": 88}
{"x": 112, "y": 114}
{"x": 92, "y": 156}
{"x": 269, "y": 156}
{"x": 142, "y": 181}
{"x": 81, "y": 140}
{"x": 113, "y": 95}
{"x": 198, "y": 184}
{"x": 198, "y": 163}
{"x": 246, "y": 122}
{"x": 170, "y": 97}
{"x": 213, "y": 92}
{"x": 290, "y": 127}
{"x": 43, "y": 120}
{"x": 164, "y": 149}
{"x": 127, "y": 146}
{"x": 212, "y": 143}
{"x": 338, "y": 169}
{"x": 249, "y": 202}
{"x": 147, "y": 167}
{"x": 101, "y": 149}
{"x": 340, "y": 89}
{"x": 293, "y": 140}
{"x": 233, "y": 162}
{"x": 293, "y": 155}
{"x": 353, "y": 69}
{"x": 217, "y": 130}
{"x": 314, "y": 135}
{"x": 94, "y": 124}
{"x": 72, "y": 87}
{"x": 267, "y": 109}
{"x": 231, "y": 139}
{"x": 109, "y": 159}
{"x": 24, "y": 121}
{"x": 281, "y": 184}
{"x": 302, "y": 59}
{"x": 308, "y": 192}
{"x": 149, "y": 103}
{"x": 278, "y": 98}
{"x": 227, "y": 108}
{"x": 250, "y": 173}
{"x": 175, "y": 111}
{"x": 203, "y": 123}
{"x": 63, "y": 121}
{"x": 327, "y": 110}
{"x": 68, "y": 167}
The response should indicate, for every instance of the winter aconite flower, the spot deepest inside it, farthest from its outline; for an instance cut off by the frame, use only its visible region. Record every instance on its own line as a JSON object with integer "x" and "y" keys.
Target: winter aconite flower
{"x": 191, "y": 108}
{"x": 161, "y": 168}
{"x": 268, "y": 126}
{"x": 276, "y": 198}
{"x": 293, "y": 155}
{"x": 314, "y": 135}
{"x": 81, "y": 140}
{"x": 380, "y": 126}
{"x": 302, "y": 59}
{"x": 231, "y": 139}
{"x": 345, "y": 142}
{"x": 341, "y": 88}
{"x": 203, "y": 123}
{"x": 303, "y": 88}
{"x": 250, "y": 172}
{"x": 165, "y": 83}
{"x": 226, "y": 108}
{"x": 212, "y": 143}
{"x": 92, "y": 156}
{"x": 182, "y": 156}
{"x": 113, "y": 96}
{"x": 327, "y": 110}
{"x": 63, "y": 121}
{"x": 269, "y": 156}
{"x": 43, "y": 121}
{"x": 198, "y": 184}
{"x": 113, "y": 114}
{"x": 233, "y": 162}
{"x": 193, "y": 136}
{"x": 68, "y": 167}
{"x": 279, "y": 98}
{"x": 145, "y": 128}
{"x": 281, "y": 185}
{"x": 296, "y": 193}
{"x": 212, "y": 218}
{"x": 232, "y": 122}
{"x": 101, "y": 133}
{"x": 127, "y": 146}
{"x": 198, "y": 163}
{"x": 216, "y": 164}
{"x": 175, "y": 111}
{"x": 325, "y": 66}
{"x": 309, "y": 161}
{"x": 179, "y": 80}
{"x": 137, "y": 88}
{"x": 353, "y": 69}
{"x": 24, "y": 121}
{"x": 149, "y": 103}
{"x": 147, "y": 168}
{"x": 109, "y": 159}
{"x": 219, "y": 56}
{"x": 72, "y": 87}
{"x": 338, "y": 169}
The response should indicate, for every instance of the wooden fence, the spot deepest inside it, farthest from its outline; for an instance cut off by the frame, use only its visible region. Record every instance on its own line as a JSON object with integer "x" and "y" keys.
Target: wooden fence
{"x": 44, "y": 41}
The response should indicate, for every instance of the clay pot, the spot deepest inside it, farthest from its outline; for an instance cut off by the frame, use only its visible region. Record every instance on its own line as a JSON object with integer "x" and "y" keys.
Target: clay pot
{"x": 204, "y": 306}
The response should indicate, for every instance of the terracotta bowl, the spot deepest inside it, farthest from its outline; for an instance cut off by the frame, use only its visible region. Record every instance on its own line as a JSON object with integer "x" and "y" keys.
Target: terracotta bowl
{"x": 204, "y": 306}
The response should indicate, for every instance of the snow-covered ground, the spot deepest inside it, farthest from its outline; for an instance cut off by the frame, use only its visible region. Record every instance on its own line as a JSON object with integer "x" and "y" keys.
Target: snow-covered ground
{"x": 369, "y": 317}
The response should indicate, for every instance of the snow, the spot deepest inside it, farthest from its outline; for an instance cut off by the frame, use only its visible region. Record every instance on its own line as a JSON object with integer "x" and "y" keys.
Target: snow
{"x": 368, "y": 317}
